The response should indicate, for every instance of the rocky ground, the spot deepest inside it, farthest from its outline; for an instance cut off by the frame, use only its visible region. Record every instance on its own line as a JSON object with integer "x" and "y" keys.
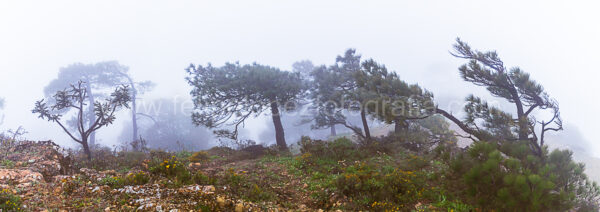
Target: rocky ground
{"x": 42, "y": 175}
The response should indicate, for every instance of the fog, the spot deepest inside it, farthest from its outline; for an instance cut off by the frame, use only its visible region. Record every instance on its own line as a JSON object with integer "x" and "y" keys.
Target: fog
{"x": 556, "y": 42}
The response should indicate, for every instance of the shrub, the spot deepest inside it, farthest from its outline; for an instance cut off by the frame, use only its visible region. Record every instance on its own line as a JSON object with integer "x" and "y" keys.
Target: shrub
{"x": 169, "y": 168}
{"x": 137, "y": 178}
{"x": 105, "y": 159}
{"x": 9, "y": 201}
{"x": 308, "y": 145}
{"x": 415, "y": 162}
{"x": 382, "y": 189}
{"x": 198, "y": 157}
{"x": 201, "y": 179}
{"x": 8, "y": 163}
{"x": 509, "y": 177}
{"x": 173, "y": 169}
{"x": 233, "y": 179}
{"x": 240, "y": 184}
{"x": 113, "y": 182}
{"x": 338, "y": 149}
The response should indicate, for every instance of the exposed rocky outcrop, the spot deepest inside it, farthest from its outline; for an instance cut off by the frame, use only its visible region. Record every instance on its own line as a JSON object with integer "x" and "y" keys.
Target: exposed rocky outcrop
{"x": 44, "y": 157}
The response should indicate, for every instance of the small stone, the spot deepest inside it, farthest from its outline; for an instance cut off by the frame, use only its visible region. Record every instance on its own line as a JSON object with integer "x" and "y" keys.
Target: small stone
{"x": 208, "y": 189}
{"x": 107, "y": 209}
{"x": 221, "y": 201}
{"x": 239, "y": 207}
{"x": 31, "y": 161}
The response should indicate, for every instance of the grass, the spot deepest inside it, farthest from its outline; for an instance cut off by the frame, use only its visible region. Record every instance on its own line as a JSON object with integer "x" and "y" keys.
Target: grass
{"x": 316, "y": 177}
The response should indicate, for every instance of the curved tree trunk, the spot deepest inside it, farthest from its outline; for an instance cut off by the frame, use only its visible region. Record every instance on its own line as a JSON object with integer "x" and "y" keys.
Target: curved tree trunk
{"x": 279, "y": 134}
{"x": 363, "y": 116}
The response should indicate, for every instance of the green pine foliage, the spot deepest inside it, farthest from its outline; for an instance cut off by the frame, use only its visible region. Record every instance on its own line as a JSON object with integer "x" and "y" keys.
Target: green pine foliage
{"x": 509, "y": 177}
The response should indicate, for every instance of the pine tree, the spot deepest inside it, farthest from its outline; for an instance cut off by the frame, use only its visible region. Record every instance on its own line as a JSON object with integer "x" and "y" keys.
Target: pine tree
{"x": 237, "y": 92}
{"x": 486, "y": 69}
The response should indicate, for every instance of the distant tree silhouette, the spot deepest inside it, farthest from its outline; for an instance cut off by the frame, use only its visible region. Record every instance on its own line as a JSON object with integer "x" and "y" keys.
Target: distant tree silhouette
{"x": 1, "y": 107}
{"x": 166, "y": 126}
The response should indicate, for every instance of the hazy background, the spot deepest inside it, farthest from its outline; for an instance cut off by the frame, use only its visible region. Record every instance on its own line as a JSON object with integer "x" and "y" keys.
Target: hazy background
{"x": 556, "y": 41}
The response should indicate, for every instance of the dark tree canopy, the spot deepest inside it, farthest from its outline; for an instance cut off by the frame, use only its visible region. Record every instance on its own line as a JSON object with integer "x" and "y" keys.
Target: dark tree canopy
{"x": 228, "y": 95}
{"x": 334, "y": 89}
{"x": 486, "y": 122}
{"x": 392, "y": 100}
{"x": 366, "y": 87}
{"x": 75, "y": 98}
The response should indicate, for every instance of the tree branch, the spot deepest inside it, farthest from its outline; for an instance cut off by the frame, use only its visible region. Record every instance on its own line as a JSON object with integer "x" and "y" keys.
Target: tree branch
{"x": 460, "y": 124}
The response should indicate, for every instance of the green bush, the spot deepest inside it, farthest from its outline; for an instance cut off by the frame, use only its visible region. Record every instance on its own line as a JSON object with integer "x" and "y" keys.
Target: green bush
{"x": 509, "y": 177}
{"x": 113, "y": 182}
{"x": 105, "y": 159}
{"x": 137, "y": 178}
{"x": 169, "y": 168}
{"x": 339, "y": 149}
{"x": 173, "y": 169}
{"x": 378, "y": 188}
{"x": 9, "y": 201}
{"x": 8, "y": 164}
{"x": 202, "y": 179}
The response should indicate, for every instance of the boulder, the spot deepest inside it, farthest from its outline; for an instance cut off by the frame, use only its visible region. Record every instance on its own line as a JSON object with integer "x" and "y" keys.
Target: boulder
{"x": 26, "y": 177}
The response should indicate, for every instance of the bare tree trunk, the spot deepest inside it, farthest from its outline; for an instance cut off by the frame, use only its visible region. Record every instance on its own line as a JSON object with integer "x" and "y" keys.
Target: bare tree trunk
{"x": 400, "y": 125}
{"x": 332, "y": 128}
{"x": 86, "y": 148}
{"x": 91, "y": 115}
{"x": 133, "y": 110}
{"x": 279, "y": 134}
{"x": 363, "y": 116}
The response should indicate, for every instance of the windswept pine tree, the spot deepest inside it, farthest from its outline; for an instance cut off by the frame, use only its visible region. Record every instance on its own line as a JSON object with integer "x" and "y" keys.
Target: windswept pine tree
{"x": 230, "y": 94}
{"x": 369, "y": 88}
{"x": 486, "y": 122}
{"x": 335, "y": 89}
{"x": 391, "y": 99}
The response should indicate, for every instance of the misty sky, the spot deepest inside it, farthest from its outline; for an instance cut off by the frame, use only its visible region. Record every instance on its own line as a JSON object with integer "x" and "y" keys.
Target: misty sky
{"x": 557, "y": 42}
